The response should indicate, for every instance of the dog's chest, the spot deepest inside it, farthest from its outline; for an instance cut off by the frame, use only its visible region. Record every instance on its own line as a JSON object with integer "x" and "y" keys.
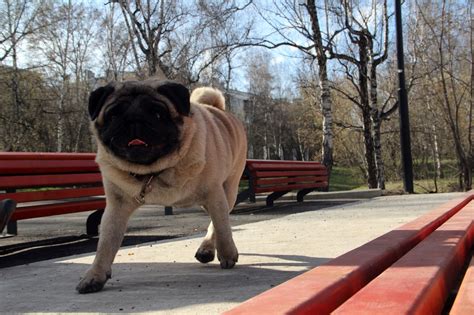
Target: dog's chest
{"x": 158, "y": 189}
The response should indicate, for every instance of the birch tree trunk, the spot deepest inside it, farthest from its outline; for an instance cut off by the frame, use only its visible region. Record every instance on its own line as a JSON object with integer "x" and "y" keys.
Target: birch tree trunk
{"x": 378, "y": 150}
{"x": 376, "y": 126}
{"x": 366, "y": 111}
{"x": 64, "y": 58}
{"x": 60, "y": 120}
{"x": 434, "y": 130}
{"x": 326, "y": 109}
{"x": 369, "y": 150}
{"x": 324, "y": 84}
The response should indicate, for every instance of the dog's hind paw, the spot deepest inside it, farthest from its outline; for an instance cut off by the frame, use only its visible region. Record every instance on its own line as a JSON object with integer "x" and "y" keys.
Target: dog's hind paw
{"x": 92, "y": 282}
{"x": 227, "y": 263}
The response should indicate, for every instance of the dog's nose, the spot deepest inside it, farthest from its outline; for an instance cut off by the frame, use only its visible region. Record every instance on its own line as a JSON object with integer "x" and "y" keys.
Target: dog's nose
{"x": 135, "y": 128}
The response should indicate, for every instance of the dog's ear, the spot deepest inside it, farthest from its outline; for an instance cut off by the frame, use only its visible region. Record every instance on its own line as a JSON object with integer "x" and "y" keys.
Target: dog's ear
{"x": 97, "y": 99}
{"x": 178, "y": 94}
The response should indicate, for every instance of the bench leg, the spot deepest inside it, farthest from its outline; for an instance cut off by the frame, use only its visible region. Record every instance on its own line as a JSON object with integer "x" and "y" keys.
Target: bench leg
{"x": 303, "y": 192}
{"x": 244, "y": 195}
{"x": 252, "y": 197}
{"x": 7, "y": 207}
{"x": 274, "y": 196}
{"x": 248, "y": 193}
{"x": 168, "y": 210}
{"x": 93, "y": 222}
{"x": 12, "y": 228}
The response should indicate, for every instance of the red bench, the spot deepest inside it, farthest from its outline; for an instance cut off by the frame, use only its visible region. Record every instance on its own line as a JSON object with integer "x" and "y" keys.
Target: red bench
{"x": 45, "y": 184}
{"x": 410, "y": 270}
{"x": 280, "y": 177}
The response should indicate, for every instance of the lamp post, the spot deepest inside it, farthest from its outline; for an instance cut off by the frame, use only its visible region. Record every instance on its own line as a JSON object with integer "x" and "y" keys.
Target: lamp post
{"x": 405, "y": 142}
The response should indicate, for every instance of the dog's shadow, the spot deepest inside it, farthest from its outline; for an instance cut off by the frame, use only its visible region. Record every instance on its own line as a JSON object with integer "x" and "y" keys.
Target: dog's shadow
{"x": 152, "y": 287}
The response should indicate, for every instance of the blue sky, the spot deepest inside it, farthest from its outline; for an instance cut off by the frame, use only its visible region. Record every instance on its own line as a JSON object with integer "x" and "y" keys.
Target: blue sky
{"x": 284, "y": 60}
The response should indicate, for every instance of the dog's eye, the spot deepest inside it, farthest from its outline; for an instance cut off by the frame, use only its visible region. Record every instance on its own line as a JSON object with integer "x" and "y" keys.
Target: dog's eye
{"x": 110, "y": 116}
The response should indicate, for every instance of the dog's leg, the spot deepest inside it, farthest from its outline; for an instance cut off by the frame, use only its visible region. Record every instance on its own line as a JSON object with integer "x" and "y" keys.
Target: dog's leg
{"x": 218, "y": 209}
{"x": 207, "y": 250}
{"x": 231, "y": 187}
{"x": 112, "y": 229}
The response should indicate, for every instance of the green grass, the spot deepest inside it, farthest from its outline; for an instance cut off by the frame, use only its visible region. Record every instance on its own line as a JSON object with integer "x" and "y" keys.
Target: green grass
{"x": 345, "y": 178}
{"x": 243, "y": 185}
{"x": 423, "y": 186}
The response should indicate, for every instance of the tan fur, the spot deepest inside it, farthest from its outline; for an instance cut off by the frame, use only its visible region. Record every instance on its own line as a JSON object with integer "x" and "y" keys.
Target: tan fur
{"x": 205, "y": 171}
{"x": 208, "y": 96}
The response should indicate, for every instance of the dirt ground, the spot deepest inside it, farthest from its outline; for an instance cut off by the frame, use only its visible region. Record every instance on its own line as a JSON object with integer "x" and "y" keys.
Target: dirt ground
{"x": 59, "y": 236}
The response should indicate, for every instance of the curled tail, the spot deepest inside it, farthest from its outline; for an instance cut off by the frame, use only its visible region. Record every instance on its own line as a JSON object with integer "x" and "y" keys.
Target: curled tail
{"x": 208, "y": 96}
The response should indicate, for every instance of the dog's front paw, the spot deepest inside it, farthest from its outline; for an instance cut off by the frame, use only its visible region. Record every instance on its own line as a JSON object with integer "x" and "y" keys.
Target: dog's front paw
{"x": 228, "y": 261}
{"x": 92, "y": 281}
{"x": 205, "y": 255}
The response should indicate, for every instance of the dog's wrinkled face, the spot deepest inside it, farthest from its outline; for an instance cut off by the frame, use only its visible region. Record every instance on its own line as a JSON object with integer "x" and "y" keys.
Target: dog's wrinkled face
{"x": 139, "y": 122}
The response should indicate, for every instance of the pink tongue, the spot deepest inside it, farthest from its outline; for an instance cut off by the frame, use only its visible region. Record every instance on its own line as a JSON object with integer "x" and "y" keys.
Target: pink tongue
{"x": 136, "y": 142}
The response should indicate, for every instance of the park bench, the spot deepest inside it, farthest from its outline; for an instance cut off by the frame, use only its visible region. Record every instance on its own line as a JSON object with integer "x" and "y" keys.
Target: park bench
{"x": 279, "y": 177}
{"x": 45, "y": 184}
{"x": 413, "y": 269}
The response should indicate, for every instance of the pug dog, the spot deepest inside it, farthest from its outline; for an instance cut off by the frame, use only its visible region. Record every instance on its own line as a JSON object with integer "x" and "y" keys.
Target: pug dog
{"x": 157, "y": 144}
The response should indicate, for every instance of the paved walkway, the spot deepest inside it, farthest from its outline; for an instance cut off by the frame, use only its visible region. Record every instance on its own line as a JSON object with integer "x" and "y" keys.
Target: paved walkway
{"x": 164, "y": 278}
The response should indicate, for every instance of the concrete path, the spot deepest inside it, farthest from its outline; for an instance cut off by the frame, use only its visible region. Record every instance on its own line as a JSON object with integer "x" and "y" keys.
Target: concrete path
{"x": 164, "y": 278}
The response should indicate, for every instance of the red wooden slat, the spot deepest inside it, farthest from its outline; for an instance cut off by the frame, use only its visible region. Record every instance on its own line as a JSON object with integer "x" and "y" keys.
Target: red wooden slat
{"x": 48, "y": 180}
{"x": 253, "y": 161}
{"x": 45, "y": 156}
{"x": 56, "y": 209}
{"x": 54, "y": 194}
{"x": 47, "y": 166}
{"x": 281, "y": 167}
{"x": 288, "y": 173}
{"x": 283, "y": 180}
{"x": 290, "y": 187}
{"x": 464, "y": 302}
{"x": 420, "y": 281}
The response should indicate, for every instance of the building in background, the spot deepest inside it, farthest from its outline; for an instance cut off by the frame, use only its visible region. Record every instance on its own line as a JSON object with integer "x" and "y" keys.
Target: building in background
{"x": 237, "y": 102}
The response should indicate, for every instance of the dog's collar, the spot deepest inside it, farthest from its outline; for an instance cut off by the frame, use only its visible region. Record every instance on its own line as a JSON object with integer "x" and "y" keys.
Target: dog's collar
{"x": 144, "y": 177}
{"x": 146, "y": 186}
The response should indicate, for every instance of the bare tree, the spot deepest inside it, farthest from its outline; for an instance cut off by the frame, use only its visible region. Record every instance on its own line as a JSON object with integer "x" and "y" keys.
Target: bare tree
{"x": 118, "y": 48}
{"x": 326, "y": 101}
{"x": 151, "y": 24}
{"x": 178, "y": 39}
{"x": 259, "y": 109}
{"x": 298, "y": 24}
{"x": 452, "y": 79}
{"x": 16, "y": 23}
{"x": 224, "y": 27}
{"x": 368, "y": 32}
{"x": 64, "y": 45}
